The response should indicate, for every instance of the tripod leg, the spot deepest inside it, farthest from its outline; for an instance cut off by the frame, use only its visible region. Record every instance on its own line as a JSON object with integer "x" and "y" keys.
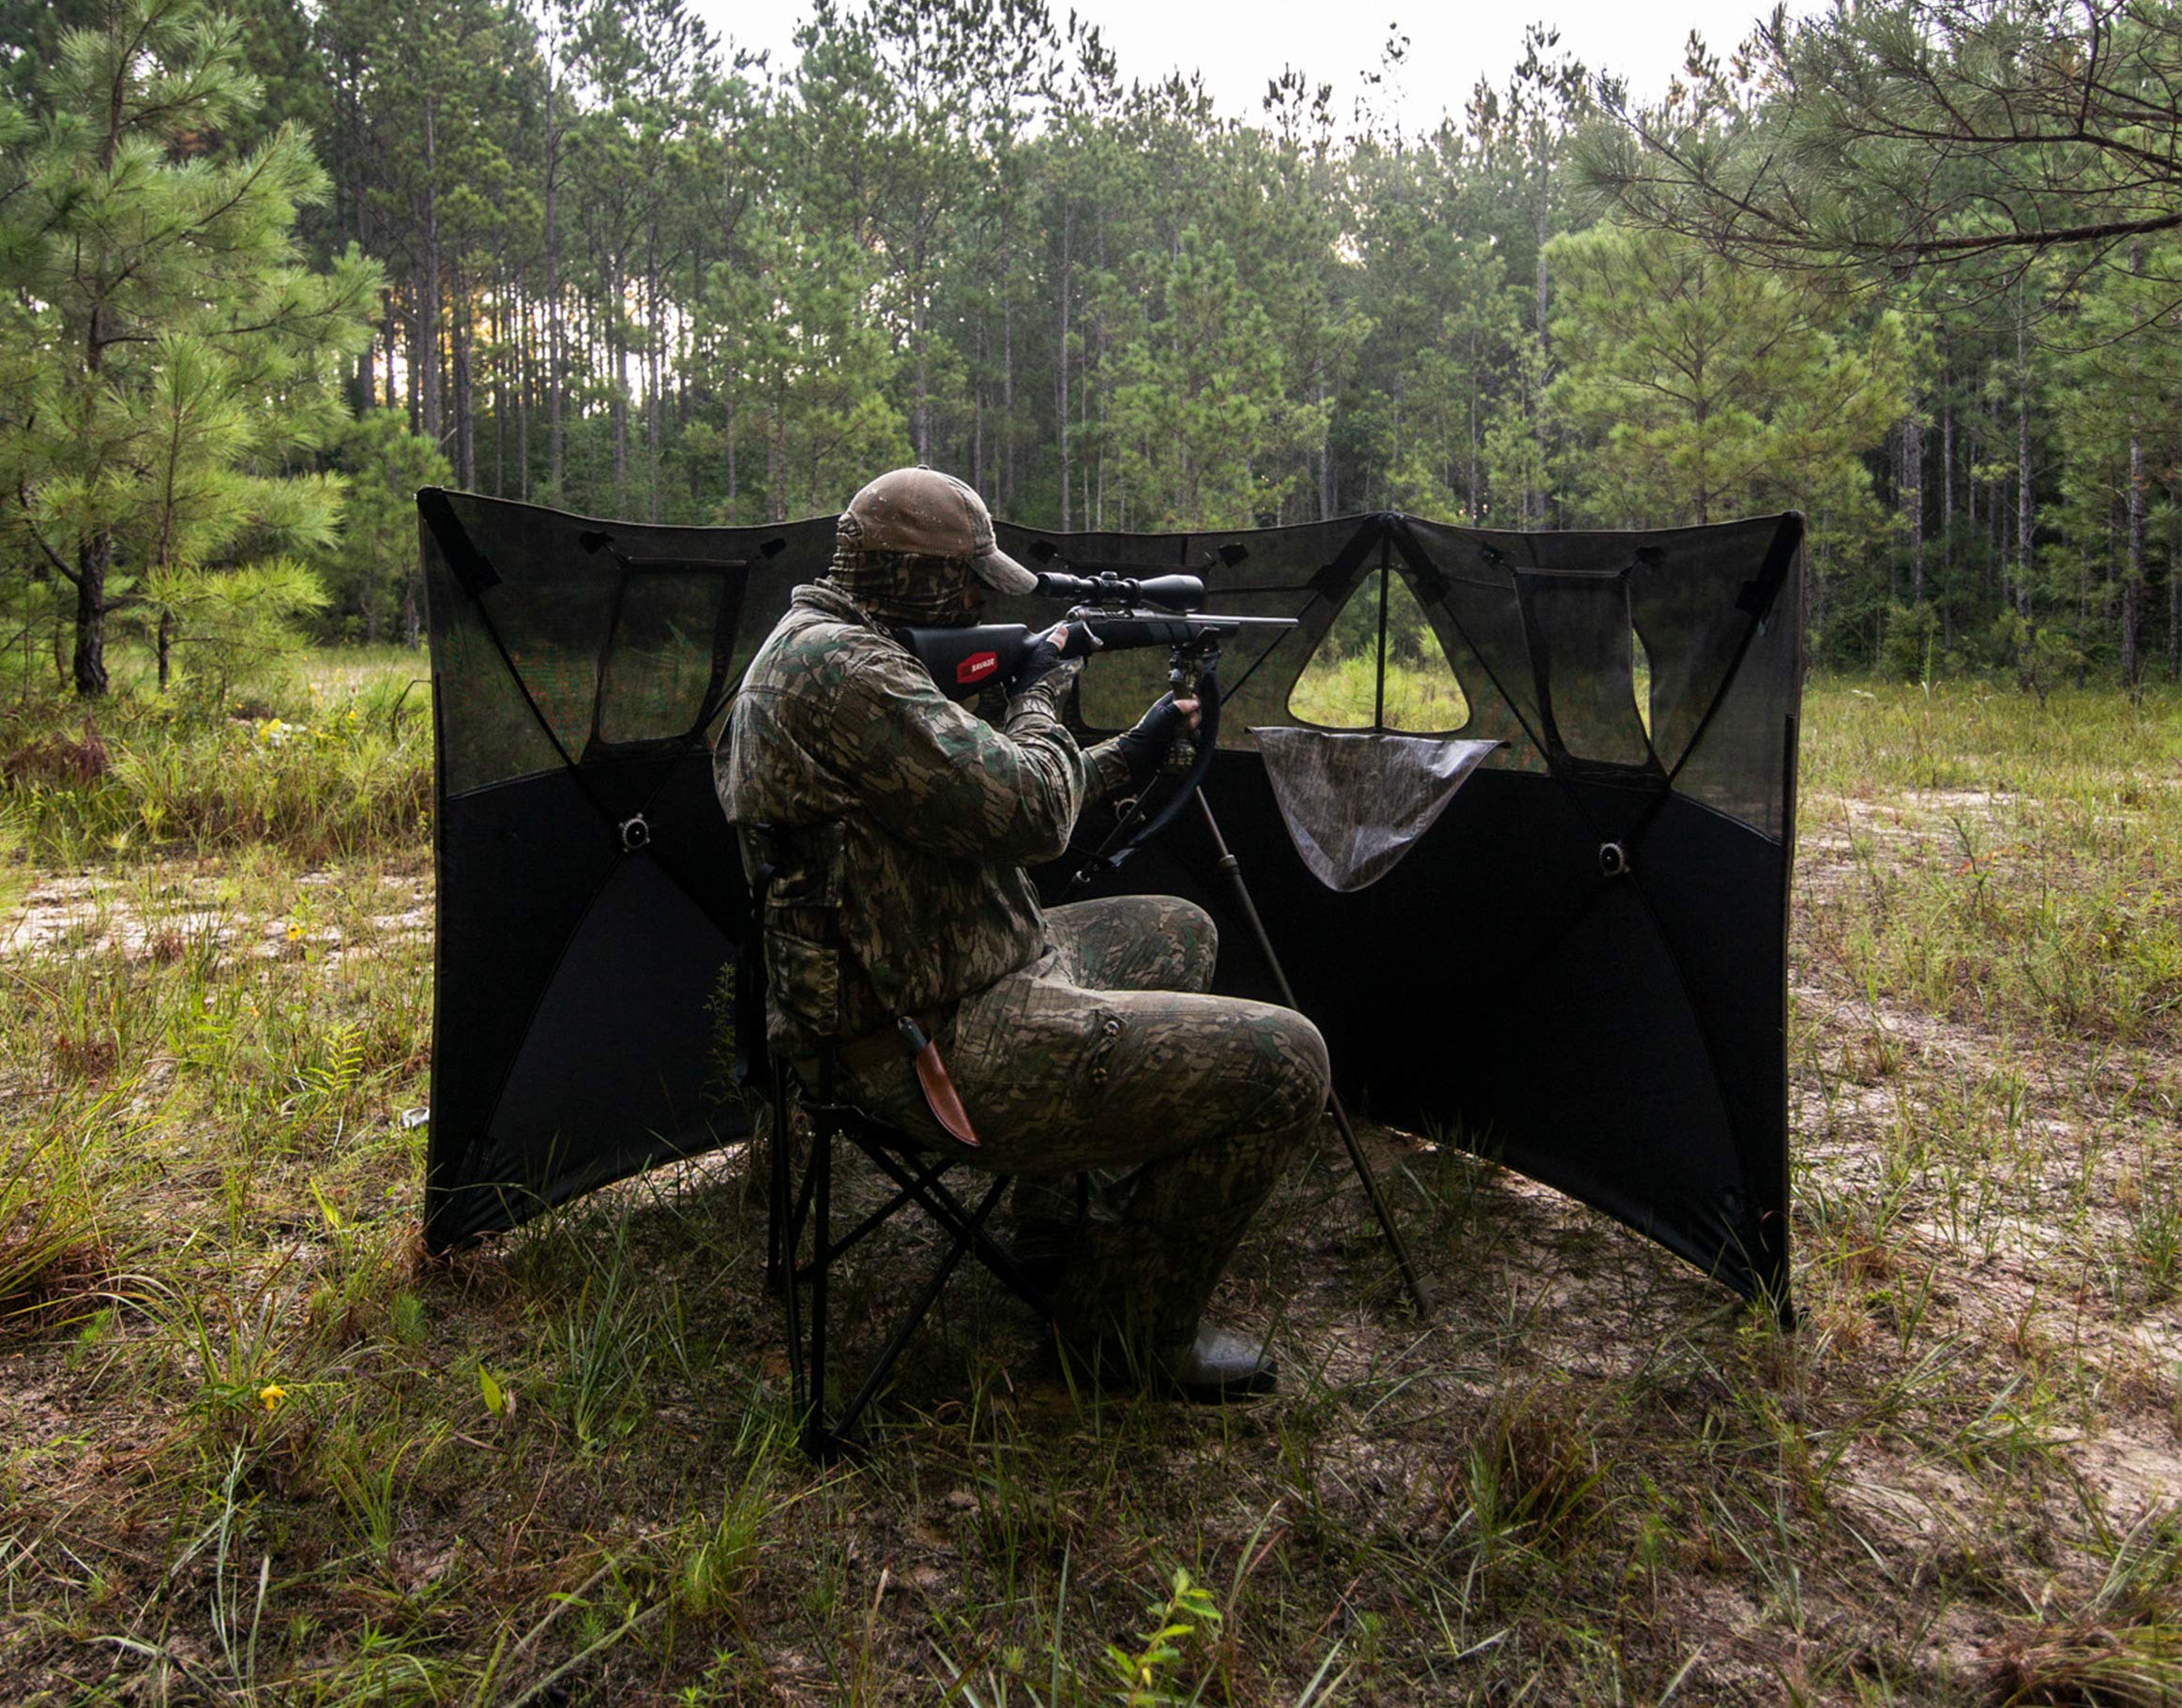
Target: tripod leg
{"x": 1233, "y": 869}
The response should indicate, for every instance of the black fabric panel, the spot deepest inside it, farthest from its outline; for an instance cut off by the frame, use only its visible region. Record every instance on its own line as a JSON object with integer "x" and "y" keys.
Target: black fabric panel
{"x": 1718, "y": 891}
{"x": 1498, "y": 988}
{"x": 617, "y": 1068}
{"x": 1578, "y": 630}
{"x": 521, "y": 866}
{"x": 518, "y": 867}
{"x": 461, "y": 554}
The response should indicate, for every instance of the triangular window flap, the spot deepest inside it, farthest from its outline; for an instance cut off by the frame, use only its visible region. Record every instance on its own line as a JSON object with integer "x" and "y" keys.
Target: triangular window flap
{"x": 1355, "y": 802}
{"x": 1345, "y": 686}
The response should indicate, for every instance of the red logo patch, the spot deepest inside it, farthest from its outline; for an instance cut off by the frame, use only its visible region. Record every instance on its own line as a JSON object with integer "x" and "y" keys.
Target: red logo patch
{"x": 975, "y": 666}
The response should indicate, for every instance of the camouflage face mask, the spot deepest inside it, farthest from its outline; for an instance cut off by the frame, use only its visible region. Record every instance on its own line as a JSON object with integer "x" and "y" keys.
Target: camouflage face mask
{"x": 900, "y": 587}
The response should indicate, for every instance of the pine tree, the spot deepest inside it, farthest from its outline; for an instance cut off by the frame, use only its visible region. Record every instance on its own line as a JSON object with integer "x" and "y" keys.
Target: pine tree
{"x": 181, "y": 348}
{"x": 1703, "y": 390}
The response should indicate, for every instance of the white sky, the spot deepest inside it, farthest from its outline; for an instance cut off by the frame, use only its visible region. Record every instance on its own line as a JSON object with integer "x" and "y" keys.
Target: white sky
{"x": 1238, "y": 45}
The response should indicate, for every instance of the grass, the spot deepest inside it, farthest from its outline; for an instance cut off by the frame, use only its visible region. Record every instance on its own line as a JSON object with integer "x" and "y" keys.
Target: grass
{"x": 256, "y": 1447}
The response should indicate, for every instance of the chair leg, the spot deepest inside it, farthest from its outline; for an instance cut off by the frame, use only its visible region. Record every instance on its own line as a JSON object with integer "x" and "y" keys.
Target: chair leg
{"x": 818, "y": 1440}
{"x": 788, "y": 1217}
{"x": 777, "y": 1197}
{"x": 947, "y": 1210}
{"x": 837, "y": 1436}
{"x": 802, "y": 1209}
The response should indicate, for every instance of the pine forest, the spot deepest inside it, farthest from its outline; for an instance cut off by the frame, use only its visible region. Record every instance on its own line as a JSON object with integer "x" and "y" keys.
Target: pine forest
{"x": 1912, "y": 270}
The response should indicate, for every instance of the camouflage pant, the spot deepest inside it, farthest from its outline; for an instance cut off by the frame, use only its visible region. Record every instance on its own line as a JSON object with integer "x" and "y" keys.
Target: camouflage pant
{"x": 1106, "y": 1054}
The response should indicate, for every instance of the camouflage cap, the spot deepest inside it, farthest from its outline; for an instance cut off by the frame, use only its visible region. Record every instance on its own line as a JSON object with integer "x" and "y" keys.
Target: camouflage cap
{"x": 925, "y": 513}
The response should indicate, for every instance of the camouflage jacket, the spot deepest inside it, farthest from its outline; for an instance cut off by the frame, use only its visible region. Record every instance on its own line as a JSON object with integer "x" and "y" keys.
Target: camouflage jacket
{"x": 898, "y": 822}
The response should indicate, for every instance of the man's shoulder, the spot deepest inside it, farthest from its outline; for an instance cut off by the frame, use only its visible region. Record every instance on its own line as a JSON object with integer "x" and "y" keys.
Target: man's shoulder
{"x": 818, "y": 642}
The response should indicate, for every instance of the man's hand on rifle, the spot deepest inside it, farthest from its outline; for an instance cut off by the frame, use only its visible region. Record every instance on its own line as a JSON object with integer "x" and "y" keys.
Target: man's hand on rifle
{"x": 1064, "y": 644}
{"x": 1155, "y": 735}
{"x": 1062, "y": 647}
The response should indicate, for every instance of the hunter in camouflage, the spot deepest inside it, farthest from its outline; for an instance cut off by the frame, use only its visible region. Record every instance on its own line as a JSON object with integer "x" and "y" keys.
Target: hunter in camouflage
{"x": 897, "y": 825}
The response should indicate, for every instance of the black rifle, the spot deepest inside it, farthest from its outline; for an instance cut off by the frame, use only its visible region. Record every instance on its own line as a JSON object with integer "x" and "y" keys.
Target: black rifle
{"x": 1111, "y": 612}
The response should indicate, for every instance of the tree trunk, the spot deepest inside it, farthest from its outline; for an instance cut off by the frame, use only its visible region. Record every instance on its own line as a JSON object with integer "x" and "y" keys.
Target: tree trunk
{"x": 1535, "y": 503}
{"x": 978, "y": 410}
{"x": 1947, "y": 516}
{"x": 557, "y": 443}
{"x": 1327, "y": 494}
{"x": 94, "y": 551}
{"x": 2026, "y": 513}
{"x": 523, "y": 377}
{"x": 919, "y": 314}
{"x": 777, "y": 463}
{"x": 166, "y": 645}
{"x": 655, "y": 365}
{"x": 618, "y": 348}
{"x": 92, "y": 559}
{"x": 1912, "y": 503}
{"x": 1007, "y": 387}
{"x": 428, "y": 281}
{"x": 1894, "y": 557}
{"x": 458, "y": 360}
{"x": 1061, "y": 367}
{"x": 387, "y": 342}
{"x": 501, "y": 347}
{"x": 2173, "y": 617}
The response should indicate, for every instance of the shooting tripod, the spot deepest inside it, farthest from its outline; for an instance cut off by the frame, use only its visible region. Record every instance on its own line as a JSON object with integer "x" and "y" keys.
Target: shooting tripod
{"x": 1198, "y": 675}
{"x": 1193, "y": 670}
{"x": 1231, "y": 868}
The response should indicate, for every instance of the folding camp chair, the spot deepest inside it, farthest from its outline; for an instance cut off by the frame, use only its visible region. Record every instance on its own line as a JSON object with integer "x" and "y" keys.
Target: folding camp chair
{"x": 801, "y": 1247}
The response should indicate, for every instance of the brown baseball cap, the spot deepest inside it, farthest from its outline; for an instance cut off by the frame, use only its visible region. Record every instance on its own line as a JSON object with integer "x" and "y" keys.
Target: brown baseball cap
{"x": 923, "y": 511}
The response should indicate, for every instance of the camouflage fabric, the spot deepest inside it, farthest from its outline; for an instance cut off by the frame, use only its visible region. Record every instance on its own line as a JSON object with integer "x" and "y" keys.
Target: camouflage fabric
{"x": 901, "y": 822}
{"x": 1104, "y": 1053}
{"x": 903, "y": 588}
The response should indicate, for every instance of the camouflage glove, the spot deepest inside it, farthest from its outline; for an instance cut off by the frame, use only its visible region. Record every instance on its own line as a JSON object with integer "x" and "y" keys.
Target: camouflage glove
{"x": 1151, "y": 741}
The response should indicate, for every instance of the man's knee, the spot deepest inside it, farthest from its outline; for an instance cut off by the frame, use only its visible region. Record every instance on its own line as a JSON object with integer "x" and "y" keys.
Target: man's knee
{"x": 1293, "y": 1067}
{"x": 1190, "y": 940}
{"x": 1196, "y": 938}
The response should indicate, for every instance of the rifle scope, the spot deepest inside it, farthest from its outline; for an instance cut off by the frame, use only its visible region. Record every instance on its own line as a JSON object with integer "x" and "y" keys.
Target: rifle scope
{"x": 1169, "y": 592}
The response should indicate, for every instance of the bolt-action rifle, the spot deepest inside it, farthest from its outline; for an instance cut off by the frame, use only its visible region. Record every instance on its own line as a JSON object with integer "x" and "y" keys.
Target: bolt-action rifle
{"x": 1113, "y": 613}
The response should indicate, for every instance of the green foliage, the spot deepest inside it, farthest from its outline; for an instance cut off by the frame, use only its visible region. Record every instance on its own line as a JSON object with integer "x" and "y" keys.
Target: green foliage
{"x": 1197, "y": 388}
{"x": 52, "y": 1257}
{"x": 1908, "y": 649}
{"x": 2040, "y": 655}
{"x": 617, "y": 267}
{"x": 176, "y": 348}
{"x": 1701, "y": 390}
{"x": 371, "y": 573}
{"x": 1150, "y": 1673}
{"x": 325, "y": 773}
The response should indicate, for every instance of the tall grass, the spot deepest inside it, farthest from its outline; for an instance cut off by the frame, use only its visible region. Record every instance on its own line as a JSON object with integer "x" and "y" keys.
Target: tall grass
{"x": 2008, "y": 862}
{"x": 318, "y": 774}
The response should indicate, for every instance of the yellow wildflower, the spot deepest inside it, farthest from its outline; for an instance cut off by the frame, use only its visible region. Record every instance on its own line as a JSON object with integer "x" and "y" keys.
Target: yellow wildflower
{"x": 294, "y": 930}
{"x": 271, "y": 1395}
